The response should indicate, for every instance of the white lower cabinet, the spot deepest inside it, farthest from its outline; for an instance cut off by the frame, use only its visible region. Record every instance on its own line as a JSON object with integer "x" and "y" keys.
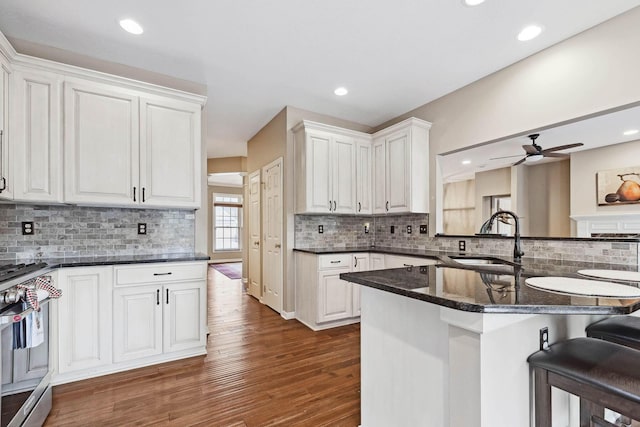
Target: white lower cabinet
{"x": 154, "y": 319}
{"x": 116, "y": 318}
{"x": 84, "y": 318}
{"x": 334, "y": 296}
{"x": 137, "y": 321}
{"x": 323, "y": 300}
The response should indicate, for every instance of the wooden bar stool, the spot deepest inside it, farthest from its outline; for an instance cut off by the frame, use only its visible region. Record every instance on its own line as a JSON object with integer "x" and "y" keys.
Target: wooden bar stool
{"x": 624, "y": 330}
{"x": 600, "y": 373}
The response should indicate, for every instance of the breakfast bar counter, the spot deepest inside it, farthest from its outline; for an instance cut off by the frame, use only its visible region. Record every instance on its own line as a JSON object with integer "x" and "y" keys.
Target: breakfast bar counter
{"x": 447, "y": 345}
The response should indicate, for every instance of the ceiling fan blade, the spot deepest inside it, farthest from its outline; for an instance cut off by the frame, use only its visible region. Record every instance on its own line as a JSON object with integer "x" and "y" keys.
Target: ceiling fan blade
{"x": 530, "y": 149}
{"x": 520, "y": 161}
{"x": 505, "y": 157}
{"x": 562, "y": 147}
{"x": 555, "y": 154}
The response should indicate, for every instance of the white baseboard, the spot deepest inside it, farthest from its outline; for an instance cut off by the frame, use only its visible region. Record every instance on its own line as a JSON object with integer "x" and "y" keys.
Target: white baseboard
{"x": 288, "y": 315}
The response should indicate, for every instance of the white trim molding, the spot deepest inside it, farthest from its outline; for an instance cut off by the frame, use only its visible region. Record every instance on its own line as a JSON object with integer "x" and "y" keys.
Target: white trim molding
{"x": 623, "y": 224}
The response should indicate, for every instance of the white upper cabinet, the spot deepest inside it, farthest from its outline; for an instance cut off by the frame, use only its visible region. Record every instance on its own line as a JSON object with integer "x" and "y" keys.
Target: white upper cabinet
{"x": 72, "y": 135}
{"x": 101, "y": 144}
{"x": 122, "y": 149}
{"x": 401, "y": 168}
{"x": 170, "y": 153}
{"x": 325, "y": 162}
{"x": 363, "y": 177}
{"x": 36, "y": 135}
{"x": 6, "y": 183}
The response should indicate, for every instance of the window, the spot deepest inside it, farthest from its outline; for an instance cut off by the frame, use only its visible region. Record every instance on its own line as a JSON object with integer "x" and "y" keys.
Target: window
{"x": 227, "y": 220}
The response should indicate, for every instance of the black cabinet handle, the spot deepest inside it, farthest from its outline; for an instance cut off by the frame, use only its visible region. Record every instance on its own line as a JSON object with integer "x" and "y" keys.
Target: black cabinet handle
{"x": 162, "y": 274}
{"x": 143, "y": 195}
{"x": 334, "y": 206}
{"x": 387, "y": 206}
{"x": 329, "y": 205}
{"x": 158, "y": 297}
{"x": 356, "y": 263}
{"x": 4, "y": 183}
{"x": 167, "y": 296}
{"x": 359, "y": 206}
{"x": 134, "y": 194}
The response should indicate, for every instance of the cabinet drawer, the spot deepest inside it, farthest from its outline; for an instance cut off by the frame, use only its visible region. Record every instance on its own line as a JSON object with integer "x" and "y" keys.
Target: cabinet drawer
{"x": 165, "y": 272}
{"x": 334, "y": 261}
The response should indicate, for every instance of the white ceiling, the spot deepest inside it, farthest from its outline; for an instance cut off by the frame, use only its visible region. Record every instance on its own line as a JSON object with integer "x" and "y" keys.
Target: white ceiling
{"x": 255, "y": 56}
{"x": 599, "y": 131}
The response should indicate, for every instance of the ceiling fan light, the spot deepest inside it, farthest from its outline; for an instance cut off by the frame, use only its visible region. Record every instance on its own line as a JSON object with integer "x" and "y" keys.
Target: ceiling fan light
{"x": 533, "y": 158}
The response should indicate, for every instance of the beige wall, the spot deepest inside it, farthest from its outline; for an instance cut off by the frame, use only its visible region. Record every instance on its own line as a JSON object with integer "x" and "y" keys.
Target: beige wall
{"x": 585, "y": 164}
{"x": 495, "y": 182}
{"x": 459, "y": 200}
{"x": 221, "y": 256}
{"x": 548, "y": 190}
{"x": 227, "y": 164}
{"x": 590, "y": 73}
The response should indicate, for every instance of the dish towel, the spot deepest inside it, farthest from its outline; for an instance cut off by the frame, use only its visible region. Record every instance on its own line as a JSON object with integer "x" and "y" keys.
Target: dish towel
{"x": 42, "y": 284}
{"x": 34, "y": 329}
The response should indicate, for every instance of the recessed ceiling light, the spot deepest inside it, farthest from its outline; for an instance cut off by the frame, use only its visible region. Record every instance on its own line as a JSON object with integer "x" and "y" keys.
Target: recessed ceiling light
{"x": 630, "y": 132}
{"x": 473, "y": 2}
{"x": 131, "y": 26}
{"x": 341, "y": 91}
{"x": 466, "y": 162}
{"x": 529, "y": 32}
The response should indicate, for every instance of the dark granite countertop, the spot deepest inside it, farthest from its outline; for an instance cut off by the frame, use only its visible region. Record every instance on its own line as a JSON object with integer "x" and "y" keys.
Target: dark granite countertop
{"x": 124, "y": 259}
{"x": 492, "y": 288}
{"x": 50, "y": 264}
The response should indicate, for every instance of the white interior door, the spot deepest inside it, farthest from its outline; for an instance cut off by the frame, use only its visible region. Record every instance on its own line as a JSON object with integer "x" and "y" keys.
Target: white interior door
{"x": 272, "y": 243}
{"x": 254, "y": 253}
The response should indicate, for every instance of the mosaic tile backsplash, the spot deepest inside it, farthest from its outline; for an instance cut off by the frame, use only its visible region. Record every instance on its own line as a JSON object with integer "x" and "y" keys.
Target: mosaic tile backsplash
{"x": 348, "y": 231}
{"x": 74, "y": 231}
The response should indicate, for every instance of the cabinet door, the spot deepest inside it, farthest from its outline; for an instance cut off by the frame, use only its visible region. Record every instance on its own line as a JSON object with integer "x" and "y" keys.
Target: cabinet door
{"x": 84, "y": 318}
{"x": 360, "y": 263}
{"x": 37, "y": 150}
{"x": 379, "y": 177}
{"x": 137, "y": 322}
{"x": 363, "y": 178}
{"x": 398, "y": 172}
{"x": 170, "y": 153}
{"x": 318, "y": 185}
{"x": 334, "y": 296}
{"x": 6, "y": 181}
{"x": 184, "y": 315}
{"x": 101, "y": 145}
{"x": 343, "y": 174}
{"x": 377, "y": 262}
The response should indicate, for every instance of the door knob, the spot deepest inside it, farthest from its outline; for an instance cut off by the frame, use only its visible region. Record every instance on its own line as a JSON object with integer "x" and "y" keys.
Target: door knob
{"x": 278, "y": 245}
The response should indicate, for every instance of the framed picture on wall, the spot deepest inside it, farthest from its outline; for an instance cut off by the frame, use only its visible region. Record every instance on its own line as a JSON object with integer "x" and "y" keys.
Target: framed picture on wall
{"x": 618, "y": 186}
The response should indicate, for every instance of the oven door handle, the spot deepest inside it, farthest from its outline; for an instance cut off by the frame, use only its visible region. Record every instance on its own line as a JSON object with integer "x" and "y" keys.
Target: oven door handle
{"x": 8, "y": 319}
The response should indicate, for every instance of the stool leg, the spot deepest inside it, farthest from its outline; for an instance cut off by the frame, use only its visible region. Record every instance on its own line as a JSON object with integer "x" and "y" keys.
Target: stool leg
{"x": 542, "y": 400}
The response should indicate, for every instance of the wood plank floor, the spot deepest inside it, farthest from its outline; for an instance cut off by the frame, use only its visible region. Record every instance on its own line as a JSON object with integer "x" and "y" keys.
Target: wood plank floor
{"x": 260, "y": 370}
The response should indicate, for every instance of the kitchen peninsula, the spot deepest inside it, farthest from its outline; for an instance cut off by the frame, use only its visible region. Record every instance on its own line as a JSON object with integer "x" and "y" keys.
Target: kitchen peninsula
{"x": 447, "y": 344}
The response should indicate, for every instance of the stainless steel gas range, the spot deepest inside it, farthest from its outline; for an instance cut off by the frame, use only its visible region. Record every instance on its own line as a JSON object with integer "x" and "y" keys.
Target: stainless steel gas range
{"x": 24, "y": 347}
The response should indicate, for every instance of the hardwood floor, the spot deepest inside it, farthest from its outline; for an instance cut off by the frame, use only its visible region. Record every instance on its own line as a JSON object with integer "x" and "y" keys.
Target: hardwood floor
{"x": 260, "y": 370}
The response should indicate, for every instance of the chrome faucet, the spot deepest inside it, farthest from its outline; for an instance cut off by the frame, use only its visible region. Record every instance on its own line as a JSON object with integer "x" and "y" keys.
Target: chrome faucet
{"x": 517, "y": 250}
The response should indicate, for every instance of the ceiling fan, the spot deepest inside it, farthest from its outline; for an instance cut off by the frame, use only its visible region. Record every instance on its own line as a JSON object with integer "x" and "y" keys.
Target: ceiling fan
{"x": 534, "y": 152}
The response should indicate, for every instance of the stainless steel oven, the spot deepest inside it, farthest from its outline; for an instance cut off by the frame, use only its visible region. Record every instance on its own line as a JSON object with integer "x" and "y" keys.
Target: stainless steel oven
{"x": 25, "y": 372}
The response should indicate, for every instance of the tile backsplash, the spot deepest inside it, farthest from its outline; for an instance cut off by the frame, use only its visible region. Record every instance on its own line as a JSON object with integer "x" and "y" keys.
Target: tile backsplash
{"x": 348, "y": 231}
{"x": 75, "y": 231}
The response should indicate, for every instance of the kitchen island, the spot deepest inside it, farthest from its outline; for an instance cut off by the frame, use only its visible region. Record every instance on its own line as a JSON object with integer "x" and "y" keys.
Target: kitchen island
{"x": 446, "y": 345}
